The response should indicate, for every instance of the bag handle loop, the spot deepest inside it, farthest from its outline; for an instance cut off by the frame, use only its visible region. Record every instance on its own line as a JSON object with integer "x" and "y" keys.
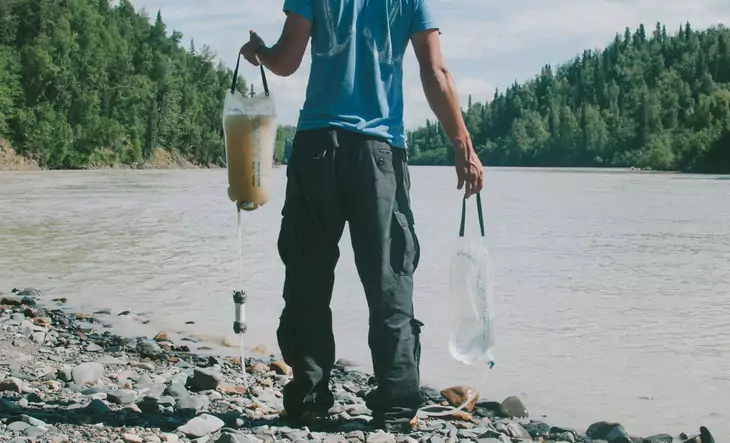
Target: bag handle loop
{"x": 235, "y": 76}
{"x": 480, "y": 213}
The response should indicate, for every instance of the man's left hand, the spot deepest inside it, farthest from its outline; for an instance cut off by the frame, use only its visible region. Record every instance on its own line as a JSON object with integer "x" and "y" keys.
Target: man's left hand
{"x": 251, "y": 47}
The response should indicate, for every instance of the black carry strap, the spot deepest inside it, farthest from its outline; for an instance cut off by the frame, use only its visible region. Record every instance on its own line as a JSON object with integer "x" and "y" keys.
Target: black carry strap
{"x": 479, "y": 213}
{"x": 263, "y": 76}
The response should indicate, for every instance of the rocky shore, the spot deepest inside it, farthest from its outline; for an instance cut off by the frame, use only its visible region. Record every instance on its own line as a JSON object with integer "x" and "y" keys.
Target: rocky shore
{"x": 64, "y": 378}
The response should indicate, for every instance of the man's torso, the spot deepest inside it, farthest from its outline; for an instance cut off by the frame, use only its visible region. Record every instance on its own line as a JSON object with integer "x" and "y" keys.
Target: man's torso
{"x": 357, "y": 66}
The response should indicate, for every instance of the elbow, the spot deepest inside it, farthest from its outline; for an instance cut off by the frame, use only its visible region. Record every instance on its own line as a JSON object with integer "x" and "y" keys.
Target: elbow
{"x": 287, "y": 69}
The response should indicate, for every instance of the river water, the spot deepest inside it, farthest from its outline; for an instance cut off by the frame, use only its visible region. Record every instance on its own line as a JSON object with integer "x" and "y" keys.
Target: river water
{"x": 613, "y": 288}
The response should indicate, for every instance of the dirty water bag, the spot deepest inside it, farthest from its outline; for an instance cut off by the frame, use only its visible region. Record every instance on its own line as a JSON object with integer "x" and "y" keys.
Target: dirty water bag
{"x": 471, "y": 294}
{"x": 249, "y": 127}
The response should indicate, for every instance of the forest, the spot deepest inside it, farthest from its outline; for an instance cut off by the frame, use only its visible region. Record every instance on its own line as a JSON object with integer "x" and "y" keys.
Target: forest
{"x": 658, "y": 101}
{"x": 85, "y": 83}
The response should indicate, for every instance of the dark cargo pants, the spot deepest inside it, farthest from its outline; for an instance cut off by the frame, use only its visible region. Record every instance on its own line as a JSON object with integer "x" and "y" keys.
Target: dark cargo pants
{"x": 336, "y": 176}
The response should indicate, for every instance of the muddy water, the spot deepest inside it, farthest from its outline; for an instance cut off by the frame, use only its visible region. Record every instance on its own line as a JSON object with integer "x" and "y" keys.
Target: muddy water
{"x": 613, "y": 289}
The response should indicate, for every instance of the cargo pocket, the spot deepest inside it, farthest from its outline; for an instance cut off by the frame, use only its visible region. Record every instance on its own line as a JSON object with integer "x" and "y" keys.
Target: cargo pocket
{"x": 403, "y": 245}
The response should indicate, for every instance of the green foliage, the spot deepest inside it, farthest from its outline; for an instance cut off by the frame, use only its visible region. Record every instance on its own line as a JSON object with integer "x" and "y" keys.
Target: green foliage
{"x": 660, "y": 102}
{"x": 84, "y": 83}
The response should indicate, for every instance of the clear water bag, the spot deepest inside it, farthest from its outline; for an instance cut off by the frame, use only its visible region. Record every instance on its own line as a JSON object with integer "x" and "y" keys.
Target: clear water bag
{"x": 471, "y": 294}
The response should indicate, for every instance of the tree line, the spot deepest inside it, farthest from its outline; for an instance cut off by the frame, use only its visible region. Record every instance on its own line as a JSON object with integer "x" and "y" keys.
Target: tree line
{"x": 87, "y": 83}
{"x": 90, "y": 83}
{"x": 647, "y": 101}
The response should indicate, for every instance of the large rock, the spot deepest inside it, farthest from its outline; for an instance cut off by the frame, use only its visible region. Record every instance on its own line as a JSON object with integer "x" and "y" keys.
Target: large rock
{"x": 190, "y": 405}
{"x": 201, "y": 425}
{"x": 609, "y": 431}
{"x": 513, "y": 407}
{"x": 122, "y": 396}
{"x": 149, "y": 349}
{"x": 13, "y": 384}
{"x": 516, "y": 430}
{"x": 457, "y": 395}
{"x": 87, "y": 373}
{"x": 206, "y": 379}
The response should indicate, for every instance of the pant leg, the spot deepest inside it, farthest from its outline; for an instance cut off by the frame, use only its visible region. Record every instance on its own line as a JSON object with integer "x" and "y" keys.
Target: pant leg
{"x": 386, "y": 254}
{"x": 311, "y": 228}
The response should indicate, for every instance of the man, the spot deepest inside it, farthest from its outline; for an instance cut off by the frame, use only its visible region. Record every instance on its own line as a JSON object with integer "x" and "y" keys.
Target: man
{"x": 349, "y": 164}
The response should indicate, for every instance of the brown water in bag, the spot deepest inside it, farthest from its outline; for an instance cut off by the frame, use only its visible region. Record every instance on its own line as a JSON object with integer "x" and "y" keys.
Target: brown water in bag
{"x": 249, "y": 127}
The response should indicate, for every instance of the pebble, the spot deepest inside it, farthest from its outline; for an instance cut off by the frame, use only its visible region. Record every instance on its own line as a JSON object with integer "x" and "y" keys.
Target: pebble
{"x": 132, "y": 438}
{"x": 206, "y": 379}
{"x": 87, "y": 373}
{"x": 201, "y": 425}
{"x": 98, "y": 387}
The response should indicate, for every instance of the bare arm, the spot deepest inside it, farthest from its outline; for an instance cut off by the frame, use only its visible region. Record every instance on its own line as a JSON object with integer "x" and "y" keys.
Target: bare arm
{"x": 438, "y": 85}
{"x": 284, "y": 57}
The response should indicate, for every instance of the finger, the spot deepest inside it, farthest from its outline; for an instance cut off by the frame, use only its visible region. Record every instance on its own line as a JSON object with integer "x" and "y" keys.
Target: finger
{"x": 460, "y": 183}
{"x": 468, "y": 190}
{"x": 480, "y": 182}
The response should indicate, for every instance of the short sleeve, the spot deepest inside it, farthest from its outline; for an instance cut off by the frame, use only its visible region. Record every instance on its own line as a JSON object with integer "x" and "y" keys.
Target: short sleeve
{"x": 423, "y": 16}
{"x": 299, "y": 7}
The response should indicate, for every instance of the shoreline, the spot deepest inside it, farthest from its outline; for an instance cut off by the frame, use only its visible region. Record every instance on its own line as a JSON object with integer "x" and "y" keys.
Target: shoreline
{"x": 64, "y": 377}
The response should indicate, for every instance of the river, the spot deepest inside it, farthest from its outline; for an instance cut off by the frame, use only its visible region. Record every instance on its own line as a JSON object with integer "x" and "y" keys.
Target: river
{"x": 613, "y": 287}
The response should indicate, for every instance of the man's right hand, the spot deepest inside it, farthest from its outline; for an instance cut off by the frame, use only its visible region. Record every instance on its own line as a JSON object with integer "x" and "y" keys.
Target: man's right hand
{"x": 469, "y": 169}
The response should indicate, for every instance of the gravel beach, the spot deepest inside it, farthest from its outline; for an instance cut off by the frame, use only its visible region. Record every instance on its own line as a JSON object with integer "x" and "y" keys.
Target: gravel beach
{"x": 64, "y": 377}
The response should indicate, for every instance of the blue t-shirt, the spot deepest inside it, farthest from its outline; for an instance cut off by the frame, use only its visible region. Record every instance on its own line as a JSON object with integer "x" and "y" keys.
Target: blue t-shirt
{"x": 357, "y": 47}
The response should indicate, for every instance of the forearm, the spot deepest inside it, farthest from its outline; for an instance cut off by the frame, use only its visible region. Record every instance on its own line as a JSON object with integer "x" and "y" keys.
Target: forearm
{"x": 273, "y": 58}
{"x": 438, "y": 85}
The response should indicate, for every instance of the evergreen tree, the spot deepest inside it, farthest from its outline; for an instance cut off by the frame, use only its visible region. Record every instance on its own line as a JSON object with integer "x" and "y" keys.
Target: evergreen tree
{"x": 656, "y": 102}
{"x": 88, "y": 83}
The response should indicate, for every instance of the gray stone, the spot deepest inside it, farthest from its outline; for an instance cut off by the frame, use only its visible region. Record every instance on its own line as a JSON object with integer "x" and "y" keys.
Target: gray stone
{"x": 93, "y": 347}
{"x": 35, "y": 431}
{"x": 236, "y": 438}
{"x": 145, "y": 381}
{"x": 611, "y": 432}
{"x": 12, "y": 384}
{"x": 206, "y": 379}
{"x": 516, "y": 430}
{"x": 513, "y": 407}
{"x": 18, "y": 426}
{"x": 201, "y": 425}
{"x": 149, "y": 349}
{"x": 192, "y": 404}
{"x": 122, "y": 396}
{"x": 87, "y": 373}
{"x": 537, "y": 429}
{"x": 30, "y": 420}
{"x": 97, "y": 407}
{"x": 380, "y": 437}
{"x": 176, "y": 390}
